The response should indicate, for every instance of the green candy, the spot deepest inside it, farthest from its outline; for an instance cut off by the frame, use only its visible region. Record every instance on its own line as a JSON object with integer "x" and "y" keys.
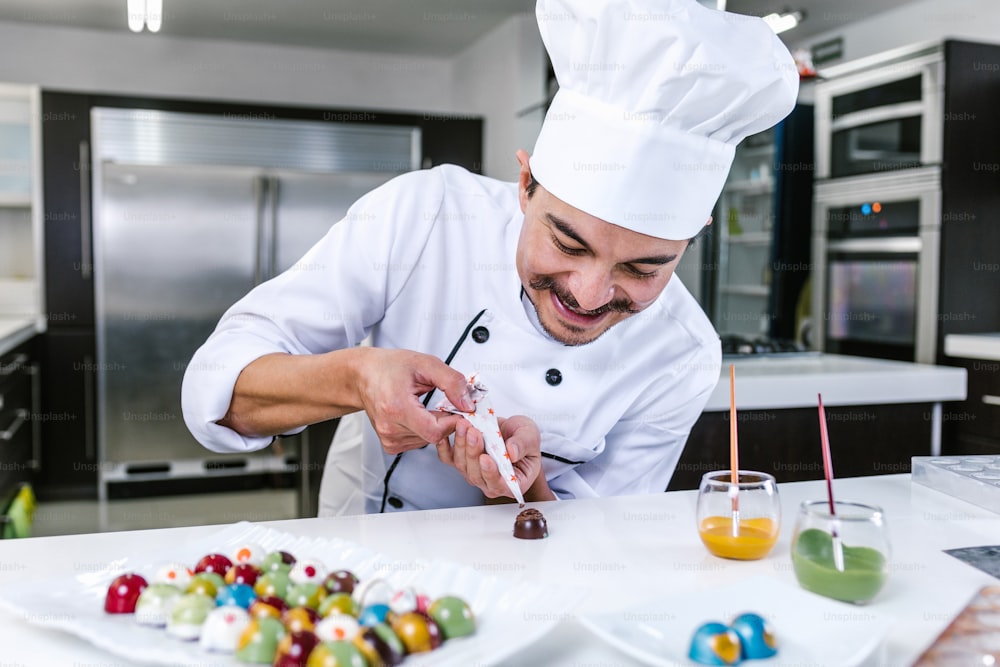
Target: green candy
{"x": 304, "y": 595}
{"x": 339, "y": 602}
{"x": 259, "y": 642}
{"x": 275, "y": 562}
{"x": 155, "y": 599}
{"x": 336, "y": 654}
{"x": 188, "y": 614}
{"x": 206, "y": 583}
{"x": 274, "y": 583}
{"x": 453, "y": 616}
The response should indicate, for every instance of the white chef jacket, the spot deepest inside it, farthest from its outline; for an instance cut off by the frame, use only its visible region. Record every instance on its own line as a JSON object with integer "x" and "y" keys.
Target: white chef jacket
{"x": 426, "y": 263}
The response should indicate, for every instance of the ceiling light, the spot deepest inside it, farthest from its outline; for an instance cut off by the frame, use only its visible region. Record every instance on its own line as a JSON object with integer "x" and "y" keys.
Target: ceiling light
{"x": 781, "y": 22}
{"x": 154, "y": 15}
{"x": 148, "y": 13}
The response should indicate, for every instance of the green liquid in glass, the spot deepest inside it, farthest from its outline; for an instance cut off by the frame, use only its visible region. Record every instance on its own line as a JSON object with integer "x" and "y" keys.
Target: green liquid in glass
{"x": 864, "y": 568}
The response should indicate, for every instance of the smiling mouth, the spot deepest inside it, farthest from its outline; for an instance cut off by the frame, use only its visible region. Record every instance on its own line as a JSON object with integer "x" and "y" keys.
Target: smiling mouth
{"x": 575, "y": 315}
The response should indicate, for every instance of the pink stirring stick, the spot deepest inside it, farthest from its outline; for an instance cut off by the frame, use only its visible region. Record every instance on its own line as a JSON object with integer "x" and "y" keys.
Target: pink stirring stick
{"x": 838, "y": 551}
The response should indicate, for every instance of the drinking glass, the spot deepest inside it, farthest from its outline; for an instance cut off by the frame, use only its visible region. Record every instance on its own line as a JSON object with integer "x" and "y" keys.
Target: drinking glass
{"x": 738, "y": 521}
{"x": 843, "y": 556}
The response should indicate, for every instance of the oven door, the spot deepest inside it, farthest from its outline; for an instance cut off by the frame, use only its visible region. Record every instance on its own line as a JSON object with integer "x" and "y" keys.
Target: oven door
{"x": 883, "y": 118}
{"x": 876, "y": 248}
{"x": 872, "y": 297}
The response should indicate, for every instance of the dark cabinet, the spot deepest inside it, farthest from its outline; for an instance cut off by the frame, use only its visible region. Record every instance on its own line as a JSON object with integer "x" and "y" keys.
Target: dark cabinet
{"x": 973, "y": 426}
{"x": 864, "y": 440}
{"x": 19, "y": 437}
{"x": 69, "y": 456}
{"x": 69, "y": 283}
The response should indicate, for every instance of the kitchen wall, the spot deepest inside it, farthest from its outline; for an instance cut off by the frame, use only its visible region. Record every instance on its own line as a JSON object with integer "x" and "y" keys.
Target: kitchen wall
{"x": 163, "y": 66}
{"x": 496, "y": 77}
{"x": 922, "y": 20}
{"x": 502, "y": 78}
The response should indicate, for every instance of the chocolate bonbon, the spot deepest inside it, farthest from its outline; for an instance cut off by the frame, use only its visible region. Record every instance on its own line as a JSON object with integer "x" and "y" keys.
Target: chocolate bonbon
{"x": 530, "y": 524}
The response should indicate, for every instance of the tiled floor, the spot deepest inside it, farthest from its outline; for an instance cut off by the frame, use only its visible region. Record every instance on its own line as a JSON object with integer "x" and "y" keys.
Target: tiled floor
{"x": 74, "y": 517}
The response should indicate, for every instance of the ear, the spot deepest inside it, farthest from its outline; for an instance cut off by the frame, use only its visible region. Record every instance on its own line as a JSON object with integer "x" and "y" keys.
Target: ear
{"x": 523, "y": 178}
{"x": 709, "y": 221}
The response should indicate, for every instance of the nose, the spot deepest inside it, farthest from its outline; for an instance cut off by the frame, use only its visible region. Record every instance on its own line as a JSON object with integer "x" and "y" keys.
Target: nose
{"x": 591, "y": 289}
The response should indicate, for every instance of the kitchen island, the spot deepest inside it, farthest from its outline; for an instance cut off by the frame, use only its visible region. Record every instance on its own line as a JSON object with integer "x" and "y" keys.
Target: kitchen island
{"x": 880, "y": 414}
{"x": 616, "y": 552}
{"x": 15, "y": 330}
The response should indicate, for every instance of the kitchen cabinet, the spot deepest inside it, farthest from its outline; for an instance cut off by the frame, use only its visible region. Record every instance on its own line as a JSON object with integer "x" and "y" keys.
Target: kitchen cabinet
{"x": 973, "y": 426}
{"x": 20, "y": 444}
{"x": 20, "y": 195}
{"x": 69, "y": 457}
{"x": 864, "y": 440}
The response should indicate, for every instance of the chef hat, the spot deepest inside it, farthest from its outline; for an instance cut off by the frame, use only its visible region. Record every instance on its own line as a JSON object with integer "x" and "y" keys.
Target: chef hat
{"x": 653, "y": 97}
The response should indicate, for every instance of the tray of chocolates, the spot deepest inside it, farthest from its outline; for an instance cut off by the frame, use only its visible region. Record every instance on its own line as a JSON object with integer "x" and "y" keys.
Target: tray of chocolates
{"x": 974, "y": 479}
{"x": 254, "y": 595}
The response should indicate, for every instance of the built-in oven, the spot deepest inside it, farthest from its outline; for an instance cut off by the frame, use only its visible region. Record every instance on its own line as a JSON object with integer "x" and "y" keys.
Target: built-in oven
{"x": 877, "y": 240}
{"x": 872, "y": 119}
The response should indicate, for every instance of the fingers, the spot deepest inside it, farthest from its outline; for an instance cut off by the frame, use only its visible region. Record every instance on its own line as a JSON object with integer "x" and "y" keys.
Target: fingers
{"x": 436, "y": 373}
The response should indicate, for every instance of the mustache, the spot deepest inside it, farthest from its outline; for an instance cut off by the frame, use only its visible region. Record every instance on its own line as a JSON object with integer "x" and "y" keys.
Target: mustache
{"x": 548, "y": 283}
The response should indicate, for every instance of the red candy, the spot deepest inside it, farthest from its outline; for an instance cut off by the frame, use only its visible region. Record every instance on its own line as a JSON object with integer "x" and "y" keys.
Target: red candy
{"x": 123, "y": 593}
{"x": 216, "y": 563}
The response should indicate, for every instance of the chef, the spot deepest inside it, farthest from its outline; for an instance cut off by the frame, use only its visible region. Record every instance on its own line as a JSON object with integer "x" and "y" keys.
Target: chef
{"x": 556, "y": 291}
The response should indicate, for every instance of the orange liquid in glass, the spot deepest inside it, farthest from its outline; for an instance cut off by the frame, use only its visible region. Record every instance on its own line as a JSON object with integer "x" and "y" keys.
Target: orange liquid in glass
{"x": 753, "y": 540}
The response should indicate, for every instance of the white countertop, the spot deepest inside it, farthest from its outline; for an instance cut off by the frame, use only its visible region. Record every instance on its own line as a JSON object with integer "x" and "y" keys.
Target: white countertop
{"x": 14, "y": 331}
{"x": 769, "y": 382}
{"x": 973, "y": 346}
{"x": 622, "y": 551}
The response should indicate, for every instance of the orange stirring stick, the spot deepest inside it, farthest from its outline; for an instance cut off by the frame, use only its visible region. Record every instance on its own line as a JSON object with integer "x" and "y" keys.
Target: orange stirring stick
{"x": 838, "y": 548}
{"x": 734, "y": 455}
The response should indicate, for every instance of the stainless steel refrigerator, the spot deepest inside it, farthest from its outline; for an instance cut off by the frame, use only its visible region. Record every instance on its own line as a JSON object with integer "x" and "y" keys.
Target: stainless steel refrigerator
{"x": 190, "y": 212}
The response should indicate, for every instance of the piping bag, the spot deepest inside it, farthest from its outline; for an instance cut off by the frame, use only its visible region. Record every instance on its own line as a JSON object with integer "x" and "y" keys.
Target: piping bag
{"x": 485, "y": 421}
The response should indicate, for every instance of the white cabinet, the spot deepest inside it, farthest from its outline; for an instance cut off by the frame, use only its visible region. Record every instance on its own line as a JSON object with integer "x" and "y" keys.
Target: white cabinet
{"x": 20, "y": 203}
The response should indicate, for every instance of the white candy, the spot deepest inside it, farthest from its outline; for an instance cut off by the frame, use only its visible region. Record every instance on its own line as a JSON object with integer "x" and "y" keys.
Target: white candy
{"x": 404, "y": 600}
{"x": 337, "y": 626}
{"x": 222, "y": 629}
{"x": 174, "y": 574}
{"x": 372, "y": 591}
{"x": 154, "y": 604}
{"x": 250, "y": 553}
{"x": 308, "y": 571}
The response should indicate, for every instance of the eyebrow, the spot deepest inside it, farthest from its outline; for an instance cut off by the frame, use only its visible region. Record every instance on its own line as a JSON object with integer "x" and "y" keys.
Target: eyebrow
{"x": 566, "y": 229}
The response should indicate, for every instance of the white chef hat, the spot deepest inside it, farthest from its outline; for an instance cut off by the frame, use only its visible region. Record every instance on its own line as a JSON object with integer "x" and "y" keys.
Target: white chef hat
{"x": 653, "y": 97}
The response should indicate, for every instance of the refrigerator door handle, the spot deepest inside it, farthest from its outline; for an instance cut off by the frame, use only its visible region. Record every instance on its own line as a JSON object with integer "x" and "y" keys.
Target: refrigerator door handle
{"x": 260, "y": 185}
{"x": 273, "y": 192}
{"x": 86, "y": 261}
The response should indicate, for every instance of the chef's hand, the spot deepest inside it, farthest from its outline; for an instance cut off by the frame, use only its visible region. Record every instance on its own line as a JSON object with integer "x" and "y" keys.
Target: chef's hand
{"x": 390, "y": 390}
{"x": 468, "y": 455}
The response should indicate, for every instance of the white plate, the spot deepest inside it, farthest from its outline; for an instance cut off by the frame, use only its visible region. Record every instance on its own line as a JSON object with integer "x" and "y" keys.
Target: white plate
{"x": 811, "y": 630}
{"x": 509, "y": 615}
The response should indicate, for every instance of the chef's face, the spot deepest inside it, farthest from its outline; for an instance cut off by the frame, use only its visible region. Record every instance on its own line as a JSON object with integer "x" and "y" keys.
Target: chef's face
{"x": 585, "y": 275}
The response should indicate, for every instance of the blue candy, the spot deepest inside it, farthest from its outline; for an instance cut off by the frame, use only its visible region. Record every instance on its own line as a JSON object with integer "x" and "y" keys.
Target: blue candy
{"x": 373, "y": 614}
{"x": 714, "y": 643}
{"x": 236, "y": 595}
{"x": 756, "y": 636}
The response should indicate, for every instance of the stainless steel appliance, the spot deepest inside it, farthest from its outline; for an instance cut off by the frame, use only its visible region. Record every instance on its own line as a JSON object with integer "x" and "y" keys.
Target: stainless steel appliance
{"x": 907, "y": 194}
{"x": 190, "y": 212}
{"x": 879, "y": 240}
{"x": 881, "y": 113}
